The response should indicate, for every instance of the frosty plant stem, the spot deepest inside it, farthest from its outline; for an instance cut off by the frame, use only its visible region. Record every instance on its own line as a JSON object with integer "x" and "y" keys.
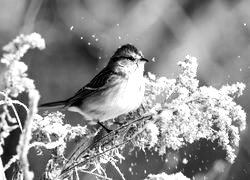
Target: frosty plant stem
{"x": 23, "y": 147}
{"x": 14, "y": 81}
{"x": 2, "y": 175}
{"x": 10, "y": 102}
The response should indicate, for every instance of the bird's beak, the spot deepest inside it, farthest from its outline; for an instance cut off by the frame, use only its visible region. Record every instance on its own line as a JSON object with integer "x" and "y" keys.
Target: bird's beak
{"x": 144, "y": 59}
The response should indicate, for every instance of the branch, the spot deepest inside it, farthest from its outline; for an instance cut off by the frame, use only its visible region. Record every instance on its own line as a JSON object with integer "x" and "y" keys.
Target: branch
{"x": 97, "y": 144}
{"x": 2, "y": 175}
{"x": 23, "y": 147}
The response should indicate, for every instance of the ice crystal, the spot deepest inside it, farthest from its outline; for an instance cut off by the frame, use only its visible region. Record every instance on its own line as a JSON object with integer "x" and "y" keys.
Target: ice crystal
{"x": 15, "y": 76}
{"x": 185, "y": 112}
{"x": 164, "y": 176}
{"x": 50, "y": 131}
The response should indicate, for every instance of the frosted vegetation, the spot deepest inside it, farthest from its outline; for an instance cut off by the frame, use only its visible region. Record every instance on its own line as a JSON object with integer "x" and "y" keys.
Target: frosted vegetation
{"x": 175, "y": 113}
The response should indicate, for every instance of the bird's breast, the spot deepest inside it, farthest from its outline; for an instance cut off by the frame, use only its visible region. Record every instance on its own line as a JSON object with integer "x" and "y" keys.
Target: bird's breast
{"x": 125, "y": 96}
{"x": 121, "y": 97}
{"x": 130, "y": 94}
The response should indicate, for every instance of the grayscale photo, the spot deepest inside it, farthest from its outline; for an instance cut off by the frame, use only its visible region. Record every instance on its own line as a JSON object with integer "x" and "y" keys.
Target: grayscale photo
{"x": 124, "y": 89}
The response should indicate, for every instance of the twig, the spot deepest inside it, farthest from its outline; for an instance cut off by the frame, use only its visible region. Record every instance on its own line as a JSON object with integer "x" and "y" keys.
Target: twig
{"x": 2, "y": 175}
{"x": 9, "y": 100}
{"x": 118, "y": 170}
{"x": 23, "y": 146}
{"x": 99, "y": 154}
{"x": 77, "y": 175}
{"x": 112, "y": 133}
{"x": 21, "y": 104}
{"x": 16, "y": 114}
{"x": 11, "y": 161}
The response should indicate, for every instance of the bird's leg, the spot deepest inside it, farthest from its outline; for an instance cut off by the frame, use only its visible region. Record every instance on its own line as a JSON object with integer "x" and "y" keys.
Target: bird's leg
{"x": 119, "y": 123}
{"x": 104, "y": 127}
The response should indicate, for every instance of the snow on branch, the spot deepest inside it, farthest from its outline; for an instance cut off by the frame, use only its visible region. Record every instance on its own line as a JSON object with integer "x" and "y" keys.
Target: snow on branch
{"x": 189, "y": 112}
{"x": 14, "y": 81}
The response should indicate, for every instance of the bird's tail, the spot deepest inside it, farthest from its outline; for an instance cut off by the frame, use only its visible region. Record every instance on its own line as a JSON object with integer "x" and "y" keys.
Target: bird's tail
{"x": 57, "y": 104}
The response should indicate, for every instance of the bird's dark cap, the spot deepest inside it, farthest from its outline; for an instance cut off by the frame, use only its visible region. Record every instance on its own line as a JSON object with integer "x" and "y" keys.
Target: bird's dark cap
{"x": 125, "y": 49}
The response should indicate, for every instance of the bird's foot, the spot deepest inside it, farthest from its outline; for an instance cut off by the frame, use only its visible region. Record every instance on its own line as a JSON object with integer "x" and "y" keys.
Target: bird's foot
{"x": 119, "y": 123}
{"x": 104, "y": 127}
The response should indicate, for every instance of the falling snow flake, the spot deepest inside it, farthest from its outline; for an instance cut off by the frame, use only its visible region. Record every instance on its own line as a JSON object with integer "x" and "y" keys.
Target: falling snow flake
{"x": 184, "y": 161}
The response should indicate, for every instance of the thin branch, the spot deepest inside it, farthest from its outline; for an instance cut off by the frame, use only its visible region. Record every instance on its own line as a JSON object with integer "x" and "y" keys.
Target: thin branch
{"x": 114, "y": 147}
{"x": 77, "y": 175}
{"x": 118, "y": 170}
{"x": 9, "y": 100}
{"x": 17, "y": 117}
{"x": 2, "y": 175}
{"x": 11, "y": 161}
{"x": 21, "y": 104}
{"x": 23, "y": 147}
{"x": 111, "y": 134}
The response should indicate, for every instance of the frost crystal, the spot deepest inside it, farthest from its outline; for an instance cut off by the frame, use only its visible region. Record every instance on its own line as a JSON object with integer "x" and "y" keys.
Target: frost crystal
{"x": 15, "y": 76}
{"x": 184, "y": 112}
{"x": 51, "y": 128}
{"x": 164, "y": 176}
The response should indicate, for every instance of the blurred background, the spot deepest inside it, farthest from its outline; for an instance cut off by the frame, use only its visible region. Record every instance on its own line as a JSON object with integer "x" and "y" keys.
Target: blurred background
{"x": 81, "y": 35}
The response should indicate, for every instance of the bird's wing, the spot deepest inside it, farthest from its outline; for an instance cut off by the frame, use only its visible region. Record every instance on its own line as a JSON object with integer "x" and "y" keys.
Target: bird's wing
{"x": 105, "y": 79}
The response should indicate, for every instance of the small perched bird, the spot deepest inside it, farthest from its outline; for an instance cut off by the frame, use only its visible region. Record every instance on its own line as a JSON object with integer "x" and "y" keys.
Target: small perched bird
{"x": 117, "y": 89}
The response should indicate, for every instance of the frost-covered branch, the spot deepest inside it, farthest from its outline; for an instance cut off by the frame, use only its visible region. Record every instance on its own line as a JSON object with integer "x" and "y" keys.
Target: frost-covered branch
{"x": 15, "y": 81}
{"x": 15, "y": 78}
{"x": 26, "y": 136}
{"x": 180, "y": 113}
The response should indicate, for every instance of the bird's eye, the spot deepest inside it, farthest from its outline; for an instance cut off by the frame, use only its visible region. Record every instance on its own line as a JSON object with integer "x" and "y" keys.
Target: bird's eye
{"x": 131, "y": 58}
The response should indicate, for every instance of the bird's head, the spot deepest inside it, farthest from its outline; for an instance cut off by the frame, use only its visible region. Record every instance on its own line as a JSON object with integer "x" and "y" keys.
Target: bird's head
{"x": 127, "y": 58}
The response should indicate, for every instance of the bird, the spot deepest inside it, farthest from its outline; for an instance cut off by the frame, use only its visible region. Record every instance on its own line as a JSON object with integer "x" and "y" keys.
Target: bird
{"x": 117, "y": 89}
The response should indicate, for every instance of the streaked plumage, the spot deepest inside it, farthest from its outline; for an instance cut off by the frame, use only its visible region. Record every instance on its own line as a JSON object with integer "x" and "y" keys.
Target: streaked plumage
{"x": 117, "y": 89}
